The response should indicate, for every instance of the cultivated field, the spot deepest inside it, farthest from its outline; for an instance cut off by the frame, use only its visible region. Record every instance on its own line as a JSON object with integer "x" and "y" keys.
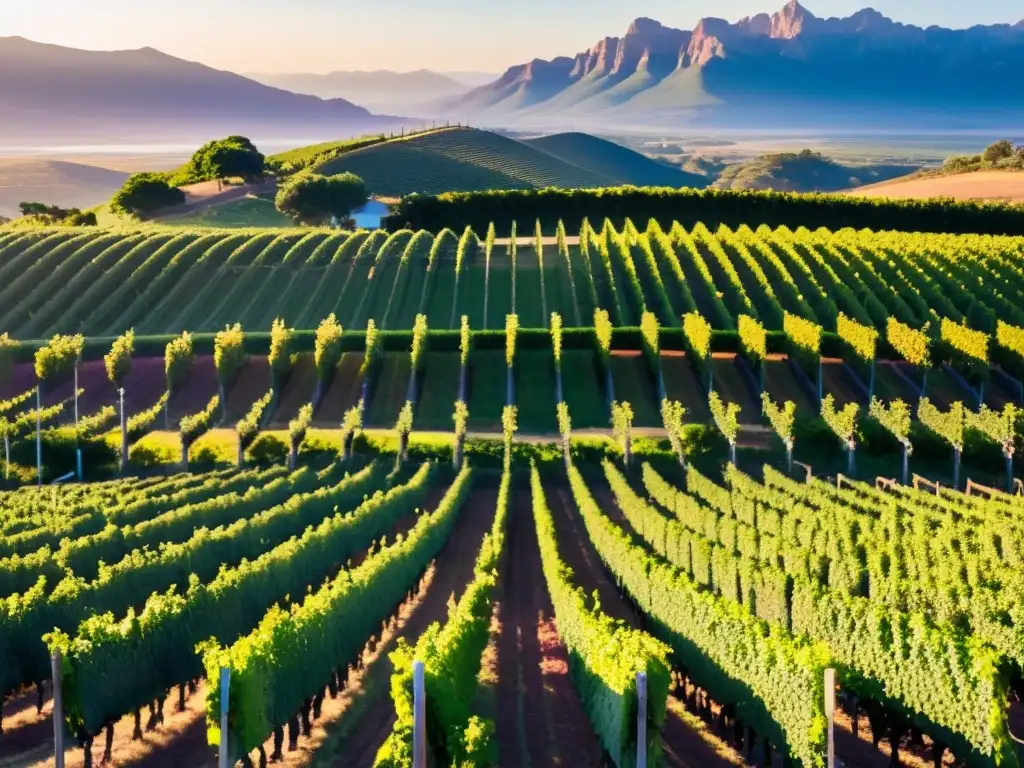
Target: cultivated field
{"x": 398, "y": 482}
{"x": 994, "y": 186}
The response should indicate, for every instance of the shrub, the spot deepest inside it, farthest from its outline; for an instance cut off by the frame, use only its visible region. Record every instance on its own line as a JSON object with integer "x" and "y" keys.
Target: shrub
{"x": 118, "y": 360}
{"x": 144, "y": 194}
{"x": 310, "y": 198}
{"x": 58, "y": 358}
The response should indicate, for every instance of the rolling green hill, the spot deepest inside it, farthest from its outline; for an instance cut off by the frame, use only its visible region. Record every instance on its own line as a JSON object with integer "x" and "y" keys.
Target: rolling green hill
{"x": 804, "y": 171}
{"x": 614, "y": 161}
{"x": 460, "y": 159}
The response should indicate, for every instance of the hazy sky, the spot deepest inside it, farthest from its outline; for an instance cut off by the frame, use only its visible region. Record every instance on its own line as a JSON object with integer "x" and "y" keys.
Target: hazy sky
{"x": 487, "y": 35}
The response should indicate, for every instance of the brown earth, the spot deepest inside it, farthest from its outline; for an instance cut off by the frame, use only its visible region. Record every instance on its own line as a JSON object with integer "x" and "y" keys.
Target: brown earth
{"x": 1002, "y": 186}
{"x": 890, "y": 386}
{"x": 194, "y": 395}
{"x": 732, "y": 386}
{"x": 344, "y": 392}
{"x": 781, "y": 383}
{"x": 682, "y": 746}
{"x": 253, "y": 383}
{"x": 297, "y": 392}
{"x": 453, "y": 570}
{"x": 540, "y": 720}
{"x": 23, "y": 378}
{"x": 838, "y": 382}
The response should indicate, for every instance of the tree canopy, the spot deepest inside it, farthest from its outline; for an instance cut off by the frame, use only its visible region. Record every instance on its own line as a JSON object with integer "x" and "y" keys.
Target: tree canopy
{"x": 144, "y": 194}
{"x": 311, "y": 198}
{"x": 998, "y": 151}
{"x": 222, "y": 159}
{"x": 53, "y": 214}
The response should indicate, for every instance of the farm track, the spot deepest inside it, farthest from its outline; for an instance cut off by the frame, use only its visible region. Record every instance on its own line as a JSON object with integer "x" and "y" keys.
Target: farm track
{"x": 453, "y": 571}
{"x": 540, "y": 720}
{"x": 682, "y": 747}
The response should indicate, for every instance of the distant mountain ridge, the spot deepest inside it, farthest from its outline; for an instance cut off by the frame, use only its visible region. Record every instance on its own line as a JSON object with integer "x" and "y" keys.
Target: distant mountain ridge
{"x": 53, "y": 93}
{"x": 55, "y": 182}
{"x": 766, "y": 69}
{"x": 377, "y": 88}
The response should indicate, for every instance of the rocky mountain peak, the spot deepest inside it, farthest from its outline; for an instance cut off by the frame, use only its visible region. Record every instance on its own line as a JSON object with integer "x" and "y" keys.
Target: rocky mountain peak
{"x": 791, "y": 21}
{"x": 761, "y": 24}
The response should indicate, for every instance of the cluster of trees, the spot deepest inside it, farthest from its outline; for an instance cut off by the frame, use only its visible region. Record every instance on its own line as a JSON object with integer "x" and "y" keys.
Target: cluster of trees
{"x": 143, "y": 194}
{"x": 999, "y": 155}
{"x": 233, "y": 157}
{"x": 55, "y": 215}
{"x": 311, "y": 198}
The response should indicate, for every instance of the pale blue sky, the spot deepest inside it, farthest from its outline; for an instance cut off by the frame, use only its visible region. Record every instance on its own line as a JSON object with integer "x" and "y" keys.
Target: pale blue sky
{"x": 487, "y": 35}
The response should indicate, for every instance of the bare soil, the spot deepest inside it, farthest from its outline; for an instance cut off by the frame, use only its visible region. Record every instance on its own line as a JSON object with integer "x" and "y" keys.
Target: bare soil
{"x": 344, "y": 392}
{"x": 453, "y": 570}
{"x": 983, "y": 185}
{"x": 682, "y": 743}
{"x": 253, "y": 383}
{"x": 838, "y": 382}
{"x": 732, "y": 386}
{"x": 194, "y": 395}
{"x": 23, "y": 378}
{"x": 297, "y": 392}
{"x": 540, "y": 721}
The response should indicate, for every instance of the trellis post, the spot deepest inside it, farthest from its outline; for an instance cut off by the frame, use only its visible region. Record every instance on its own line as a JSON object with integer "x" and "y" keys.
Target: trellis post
{"x": 58, "y": 710}
{"x": 419, "y": 723}
{"x": 225, "y": 687}
{"x": 641, "y": 719}
{"x": 830, "y": 713}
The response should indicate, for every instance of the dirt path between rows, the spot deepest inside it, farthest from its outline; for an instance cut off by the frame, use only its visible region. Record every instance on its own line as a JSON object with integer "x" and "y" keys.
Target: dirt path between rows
{"x": 453, "y": 570}
{"x": 540, "y": 720}
{"x": 682, "y": 746}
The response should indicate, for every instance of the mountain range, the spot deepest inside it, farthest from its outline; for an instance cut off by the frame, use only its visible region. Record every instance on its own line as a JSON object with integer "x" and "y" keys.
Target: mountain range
{"x": 787, "y": 69}
{"x": 50, "y": 93}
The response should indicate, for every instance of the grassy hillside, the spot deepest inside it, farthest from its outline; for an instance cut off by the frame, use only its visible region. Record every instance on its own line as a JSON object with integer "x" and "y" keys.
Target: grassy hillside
{"x": 459, "y": 159}
{"x": 250, "y": 211}
{"x": 614, "y": 161}
{"x": 69, "y": 185}
{"x": 805, "y": 171}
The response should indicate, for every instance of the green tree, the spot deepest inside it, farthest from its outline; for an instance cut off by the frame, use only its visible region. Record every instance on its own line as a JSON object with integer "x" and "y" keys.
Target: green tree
{"x": 311, "y": 198}
{"x": 223, "y": 159}
{"x": 144, "y": 194}
{"x": 1000, "y": 150}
